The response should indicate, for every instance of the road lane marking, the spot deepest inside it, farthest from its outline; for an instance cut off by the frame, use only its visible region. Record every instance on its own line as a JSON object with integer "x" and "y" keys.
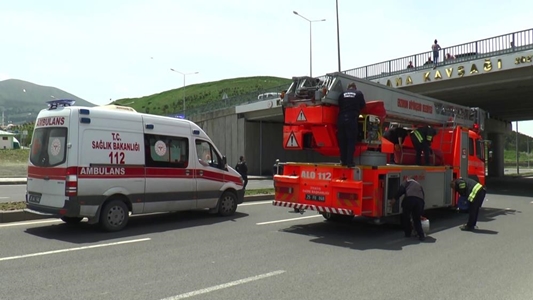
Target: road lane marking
{"x": 287, "y": 220}
{"x": 5, "y": 197}
{"x": 256, "y": 203}
{"x": 224, "y": 286}
{"x": 30, "y": 223}
{"x": 74, "y": 249}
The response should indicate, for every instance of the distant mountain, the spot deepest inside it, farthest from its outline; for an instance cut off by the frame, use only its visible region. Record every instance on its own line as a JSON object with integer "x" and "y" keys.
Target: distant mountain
{"x": 22, "y": 100}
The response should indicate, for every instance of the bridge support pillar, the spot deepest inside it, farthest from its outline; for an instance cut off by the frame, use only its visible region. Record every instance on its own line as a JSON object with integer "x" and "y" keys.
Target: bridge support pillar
{"x": 495, "y": 165}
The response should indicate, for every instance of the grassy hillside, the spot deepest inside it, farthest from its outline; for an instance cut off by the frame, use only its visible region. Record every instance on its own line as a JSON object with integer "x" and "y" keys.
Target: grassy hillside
{"x": 22, "y": 100}
{"x": 206, "y": 96}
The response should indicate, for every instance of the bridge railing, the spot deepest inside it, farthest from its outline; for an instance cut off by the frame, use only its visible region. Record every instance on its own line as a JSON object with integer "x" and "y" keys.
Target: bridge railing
{"x": 233, "y": 101}
{"x": 507, "y": 43}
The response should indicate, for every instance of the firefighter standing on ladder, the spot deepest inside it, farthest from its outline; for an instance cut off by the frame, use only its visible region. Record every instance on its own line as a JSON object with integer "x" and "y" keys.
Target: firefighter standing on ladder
{"x": 350, "y": 104}
{"x": 421, "y": 139}
{"x": 475, "y": 192}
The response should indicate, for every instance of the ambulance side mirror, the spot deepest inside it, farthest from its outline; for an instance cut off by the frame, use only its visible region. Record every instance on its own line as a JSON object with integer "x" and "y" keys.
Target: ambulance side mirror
{"x": 224, "y": 163}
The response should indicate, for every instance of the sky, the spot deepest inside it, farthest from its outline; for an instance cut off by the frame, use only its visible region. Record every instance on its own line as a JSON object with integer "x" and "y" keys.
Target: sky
{"x": 102, "y": 50}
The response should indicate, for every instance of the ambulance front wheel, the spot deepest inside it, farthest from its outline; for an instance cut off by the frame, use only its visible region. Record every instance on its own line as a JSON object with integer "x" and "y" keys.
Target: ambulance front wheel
{"x": 114, "y": 215}
{"x": 227, "y": 204}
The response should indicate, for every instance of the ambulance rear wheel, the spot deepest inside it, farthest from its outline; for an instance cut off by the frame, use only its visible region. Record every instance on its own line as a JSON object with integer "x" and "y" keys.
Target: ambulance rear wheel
{"x": 71, "y": 220}
{"x": 227, "y": 204}
{"x": 114, "y": 215}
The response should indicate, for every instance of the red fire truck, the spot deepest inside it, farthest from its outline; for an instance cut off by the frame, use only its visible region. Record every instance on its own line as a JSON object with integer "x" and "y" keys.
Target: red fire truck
{"x": 310, "y": 112}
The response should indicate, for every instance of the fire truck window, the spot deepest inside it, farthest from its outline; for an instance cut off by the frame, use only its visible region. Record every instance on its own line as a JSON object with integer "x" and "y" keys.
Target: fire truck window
{"x": 166, "y": 151}
{"x": 471, "y": 147}
{"x": 480, "y": 150}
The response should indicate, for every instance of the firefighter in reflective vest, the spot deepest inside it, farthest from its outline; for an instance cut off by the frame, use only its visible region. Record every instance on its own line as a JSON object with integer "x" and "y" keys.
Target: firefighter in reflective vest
{"x": 475, "y": 192}
{"x": 421, "y": 139}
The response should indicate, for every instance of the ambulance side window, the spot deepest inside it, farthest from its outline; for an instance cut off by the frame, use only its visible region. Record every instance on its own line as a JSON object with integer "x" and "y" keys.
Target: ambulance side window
{"x": 471, "y": 147}
{"x": 166, "y": 151}
{"x": 207, "y": 155}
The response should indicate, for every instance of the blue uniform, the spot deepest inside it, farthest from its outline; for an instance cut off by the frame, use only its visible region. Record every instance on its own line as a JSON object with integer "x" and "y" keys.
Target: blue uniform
{"x": 350, "y": 104}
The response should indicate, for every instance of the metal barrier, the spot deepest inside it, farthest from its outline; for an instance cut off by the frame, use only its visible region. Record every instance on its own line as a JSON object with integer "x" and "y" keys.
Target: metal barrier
{"x": 255, "y": 96}
{"x": 507, "y": 43}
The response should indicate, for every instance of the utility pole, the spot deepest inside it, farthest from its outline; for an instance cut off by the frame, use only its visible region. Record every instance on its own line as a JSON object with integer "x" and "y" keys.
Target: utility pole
{"x": 338, "y": 37}
{"x": 517, "y": 153}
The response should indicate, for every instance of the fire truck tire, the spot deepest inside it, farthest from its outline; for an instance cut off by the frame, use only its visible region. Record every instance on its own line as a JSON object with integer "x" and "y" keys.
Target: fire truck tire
{"x": 336, "y": 217}
{"x": 71, "y": 220}
{"x": 227, "y": 204}
{"x": 114, "y": 215}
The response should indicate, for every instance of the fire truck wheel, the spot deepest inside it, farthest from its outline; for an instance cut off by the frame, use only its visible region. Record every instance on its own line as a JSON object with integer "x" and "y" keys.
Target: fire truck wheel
{"x": 114, "y": 215}
{"x": 336, "y": 217}
{"x": 227, "y": 204}
{"x": 71, "y": 220}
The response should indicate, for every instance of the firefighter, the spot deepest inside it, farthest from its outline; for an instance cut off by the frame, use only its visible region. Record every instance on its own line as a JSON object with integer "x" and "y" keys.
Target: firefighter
{"x": 396, "y": 136}
{"x": 350, "y": 104}
{"x": 421, "y": 139}
{"x": 475, "y": 192}
{"x": 412, "y": 206}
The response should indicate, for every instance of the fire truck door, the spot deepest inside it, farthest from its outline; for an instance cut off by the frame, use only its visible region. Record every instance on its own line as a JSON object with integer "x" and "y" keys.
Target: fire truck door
{"x": 464, "y": 154}
{"x": 392, "y": 185}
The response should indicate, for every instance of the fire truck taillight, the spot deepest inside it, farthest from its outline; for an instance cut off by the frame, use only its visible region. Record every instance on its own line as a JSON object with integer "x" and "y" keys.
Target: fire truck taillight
{"x": 71, "y": 182}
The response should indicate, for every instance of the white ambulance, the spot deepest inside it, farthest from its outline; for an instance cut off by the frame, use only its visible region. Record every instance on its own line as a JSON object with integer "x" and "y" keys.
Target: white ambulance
{"x": 105, "y": 163}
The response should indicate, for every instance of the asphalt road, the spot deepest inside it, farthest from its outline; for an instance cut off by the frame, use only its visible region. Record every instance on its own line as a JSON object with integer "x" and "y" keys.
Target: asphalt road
{"x": 264, "y": 252}
{"x": 13, "y": 193}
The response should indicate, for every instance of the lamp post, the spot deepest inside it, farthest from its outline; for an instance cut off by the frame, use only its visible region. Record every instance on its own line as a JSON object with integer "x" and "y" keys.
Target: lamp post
{"x": 310, "y": 41}
{"x": 184, "y": 75}
{"x": 338, "y": 38}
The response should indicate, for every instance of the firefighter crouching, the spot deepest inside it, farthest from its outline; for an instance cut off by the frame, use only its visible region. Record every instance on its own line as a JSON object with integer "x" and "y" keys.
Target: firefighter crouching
{"x": 475, "y": 192}
{"x": 421, "y": 139}
{"x": 412, "y": 206}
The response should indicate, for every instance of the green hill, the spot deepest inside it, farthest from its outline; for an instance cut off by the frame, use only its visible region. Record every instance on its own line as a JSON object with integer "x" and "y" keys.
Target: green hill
{"x": 206, "y": 96}
{"x": 22, "y": 100}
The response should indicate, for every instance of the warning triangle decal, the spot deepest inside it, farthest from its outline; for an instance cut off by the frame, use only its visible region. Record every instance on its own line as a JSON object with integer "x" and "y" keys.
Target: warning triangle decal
{"x": 292, "y": 142}
{"x": 301, "y": 117}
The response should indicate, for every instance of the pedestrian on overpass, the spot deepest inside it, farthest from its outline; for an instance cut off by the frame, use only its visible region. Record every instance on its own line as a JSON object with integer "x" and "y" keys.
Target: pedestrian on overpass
{"x": 475, "y": 193}
{"x": 351, "y": 103}
{"x": 435, "y": 47}
{"x": 421, "y": 139}
{"x": 412, "y": 206}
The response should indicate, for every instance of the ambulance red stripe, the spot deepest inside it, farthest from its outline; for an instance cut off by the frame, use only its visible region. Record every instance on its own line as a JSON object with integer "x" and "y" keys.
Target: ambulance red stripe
{"x": 123, "y": 172}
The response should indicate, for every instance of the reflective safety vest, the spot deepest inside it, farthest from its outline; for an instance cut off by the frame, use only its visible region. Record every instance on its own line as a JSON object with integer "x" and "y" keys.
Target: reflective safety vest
{"x": 472, "y": 195}
{"x": 419, "y": 137}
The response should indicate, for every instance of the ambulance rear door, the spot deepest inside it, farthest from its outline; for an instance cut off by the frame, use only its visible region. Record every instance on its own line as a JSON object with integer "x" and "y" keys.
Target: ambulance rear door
{"x": 47, "y": 166}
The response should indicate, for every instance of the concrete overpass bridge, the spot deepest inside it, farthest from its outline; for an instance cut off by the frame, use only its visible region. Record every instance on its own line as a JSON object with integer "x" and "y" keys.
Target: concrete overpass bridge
{"x": 495, "y": 74}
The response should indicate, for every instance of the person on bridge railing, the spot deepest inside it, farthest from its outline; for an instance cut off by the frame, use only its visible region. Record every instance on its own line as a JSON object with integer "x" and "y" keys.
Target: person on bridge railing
{"x": 351, "y": 103}
{"x": 435, "y": 47}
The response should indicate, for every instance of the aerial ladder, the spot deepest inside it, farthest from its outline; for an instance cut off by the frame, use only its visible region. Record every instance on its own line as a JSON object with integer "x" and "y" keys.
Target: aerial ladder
{"x": 310, "y": 108}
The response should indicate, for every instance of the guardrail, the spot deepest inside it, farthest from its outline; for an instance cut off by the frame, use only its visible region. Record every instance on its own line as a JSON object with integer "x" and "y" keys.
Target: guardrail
{"x": 232, "y": 101}
{"x": 507, "y": 43}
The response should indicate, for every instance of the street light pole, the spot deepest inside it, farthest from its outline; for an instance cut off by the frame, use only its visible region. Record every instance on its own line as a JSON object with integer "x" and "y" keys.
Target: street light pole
{"x": 338, "y": 37}
{"x": 310, "y": 41}
{"x": 184, "y": 75}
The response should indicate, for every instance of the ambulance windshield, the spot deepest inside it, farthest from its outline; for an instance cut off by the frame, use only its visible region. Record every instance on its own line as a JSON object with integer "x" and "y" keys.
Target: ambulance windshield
{"x": 48, "y": 146}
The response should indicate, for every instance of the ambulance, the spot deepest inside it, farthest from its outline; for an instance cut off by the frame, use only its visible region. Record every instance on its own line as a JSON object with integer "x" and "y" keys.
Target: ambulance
{"x": 106, "y": 163}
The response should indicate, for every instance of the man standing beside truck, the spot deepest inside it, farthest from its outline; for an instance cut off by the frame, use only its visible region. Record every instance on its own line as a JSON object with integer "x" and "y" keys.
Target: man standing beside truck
{"x": 412, "y": 206}
{"x": 351, "y": 103}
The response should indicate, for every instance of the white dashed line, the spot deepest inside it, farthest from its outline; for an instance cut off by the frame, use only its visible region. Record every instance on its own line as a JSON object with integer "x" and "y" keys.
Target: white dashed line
{"x": 224, "y": 286}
